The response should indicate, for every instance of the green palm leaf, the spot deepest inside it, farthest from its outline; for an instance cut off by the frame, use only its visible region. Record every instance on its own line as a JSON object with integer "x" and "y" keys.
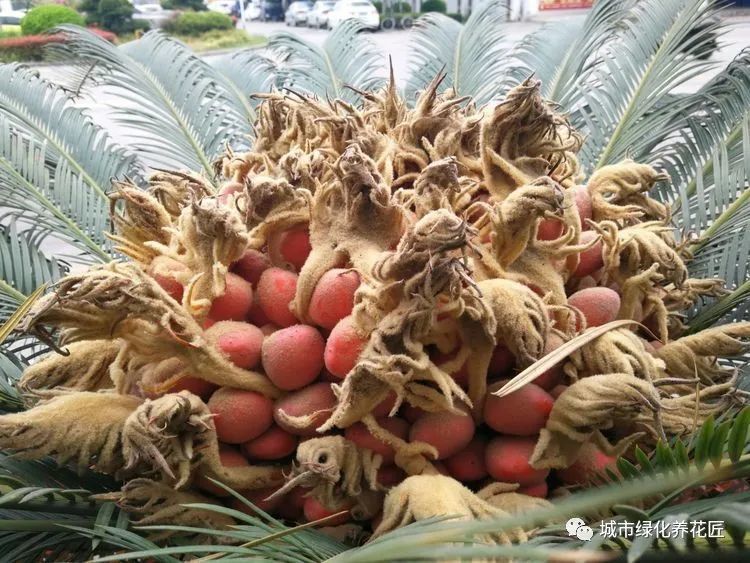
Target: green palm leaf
{"x": 55, "y": 163}
{"x": 246, "y": 72}
{"x": 713, "y": 117}
{"x": 40, "y": 501}
{"x": 621, "y": 98}
{"x": 559, "y": 54}
{"x": 472, "y": 55}
{"x": 22, "y": 264}
{"x": 346, "y": 58}
{"x": 707, "y": 153}
{"x": 175, "y": 108}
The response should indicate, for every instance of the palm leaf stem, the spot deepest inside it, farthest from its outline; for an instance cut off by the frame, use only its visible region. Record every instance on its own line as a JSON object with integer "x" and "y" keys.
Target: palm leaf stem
{"x": 173, "y": 111}
{"x": 54, "y": 507}
{"x": 708, "y": 316}
{"x": 41, "y": 525}
{"x": 242, "y": 98}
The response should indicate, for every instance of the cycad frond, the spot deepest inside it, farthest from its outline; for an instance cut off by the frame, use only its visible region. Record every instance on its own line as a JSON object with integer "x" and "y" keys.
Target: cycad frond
{"x": 346, "y": 58}
{"x": 174, "y": 107}
{"x": 707, "y": 153}
{"x": 246, "y": 72}
{"x": 11, "y": 368}
{"x": 472, "y": 55}
{"x": 713, "y": 117}
{"x": 621, "y": 98}
{"x": 559, "y": 54}
{"x": 55, "y": 163}
{"x": 22, "y": 264}
{"x": 40, "y": 514}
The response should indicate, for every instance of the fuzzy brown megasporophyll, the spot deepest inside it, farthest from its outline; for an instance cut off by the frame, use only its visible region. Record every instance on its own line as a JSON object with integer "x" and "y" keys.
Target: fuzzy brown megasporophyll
{"x": 439, "y": 210}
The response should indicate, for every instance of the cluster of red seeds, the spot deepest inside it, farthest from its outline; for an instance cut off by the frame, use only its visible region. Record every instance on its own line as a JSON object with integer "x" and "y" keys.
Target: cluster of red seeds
{"x": 253, "y": 324}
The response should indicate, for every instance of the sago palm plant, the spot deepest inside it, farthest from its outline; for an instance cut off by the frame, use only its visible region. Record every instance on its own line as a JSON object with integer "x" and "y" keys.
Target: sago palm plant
{"x": 616, "y": 75}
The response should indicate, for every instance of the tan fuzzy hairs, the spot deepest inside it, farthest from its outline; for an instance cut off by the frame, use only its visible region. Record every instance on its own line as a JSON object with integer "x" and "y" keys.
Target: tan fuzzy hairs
{"x": 353, "y": 220}
{"x": 82, "y": 428}
{"x": 617, "y": 351}
{"x": 336, "y": 470}
{"x": 426, "y": 496}
{"x": 83, "y": 366}
{"x": 523, "y": 139}
{"x": 619, "y": 192}
{"x": 505, "y": 497}
{"x": 587, "y": 408}
{"x": 439, "y": 210}
{"x": 121, "y": 301}
{"x": 698, "y": 354}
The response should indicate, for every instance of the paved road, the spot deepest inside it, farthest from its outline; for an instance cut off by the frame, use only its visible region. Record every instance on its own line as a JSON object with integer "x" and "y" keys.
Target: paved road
{"x": 396, "y": 43}
{"x": 391, "y": 43}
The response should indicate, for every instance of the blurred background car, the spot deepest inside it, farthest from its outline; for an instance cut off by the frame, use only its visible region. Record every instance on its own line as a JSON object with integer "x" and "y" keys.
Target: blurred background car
{"x": 221, "y": 6}
{"x": 297, "y": 13}
{"x": 318, "y": 16}
{"x": 253, "y": 11}
{"x": 11, "y": 13}
{"x": 151, "y": 12}
{"x": 271, "y": 11}
{"x": 354, "y": 9}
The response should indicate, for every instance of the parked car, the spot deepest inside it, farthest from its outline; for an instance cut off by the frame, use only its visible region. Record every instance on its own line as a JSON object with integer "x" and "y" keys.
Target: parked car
{"x": 271, "y": 11}
{"x": 221, "y": 6}
{"x": 11, "y": 13}
{"x": 253, "y": 12}
{"x": 11, "y": 18}
{"x": 150, "y": 11}
{"x": 318, "y": 16}
{"x": 297, "y": 13}
{"x": 354, "y": 9}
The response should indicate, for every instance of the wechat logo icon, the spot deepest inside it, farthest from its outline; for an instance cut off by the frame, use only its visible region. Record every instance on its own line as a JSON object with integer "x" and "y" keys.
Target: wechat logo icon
{"x": 577, "y": 527}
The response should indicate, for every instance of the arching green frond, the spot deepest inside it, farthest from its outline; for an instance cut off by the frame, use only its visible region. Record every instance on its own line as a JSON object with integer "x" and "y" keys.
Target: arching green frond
{"x": 11, "y": 368}
{"x": 55, "y": 163}
{"x": 346, "y": 58}
{"x": 41, "y": 110}
{"x": 472, "y": 55}
{"x": 22, "y": 264}
{"x": 41, "y": 507}
{"x": 39, "y": 187}
{"x": 712, "y": 126}
{"x": 558, "y": 54}
{"x": 621, "y": 98}
{"x": 707, "y": 153}
{"x": 23, "y": 269}
{"x": 245, "y": 73}
{"x": 173, "y": 104}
